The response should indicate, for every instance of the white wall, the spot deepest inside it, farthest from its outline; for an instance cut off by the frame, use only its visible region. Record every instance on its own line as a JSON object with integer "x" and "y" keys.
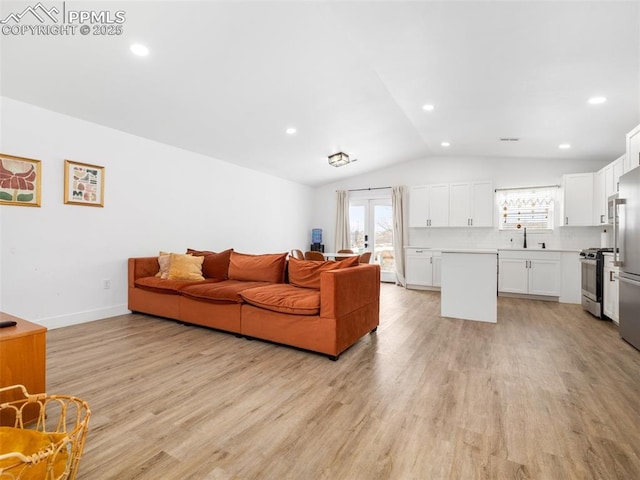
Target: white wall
{"x": 505, "y": 173}
{"x": 157, "y": 197}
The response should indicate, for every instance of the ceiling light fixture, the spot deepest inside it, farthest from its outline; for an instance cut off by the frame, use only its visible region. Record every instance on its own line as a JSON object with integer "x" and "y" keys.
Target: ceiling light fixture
{"x": 139, "y": 49}
{"x": 428, "y": 107}
{"x": 339, "y": 159}
{"x": 445, "y": 144}
{"x": 564, "y": 146}
{"x": 291, "y": 131}
{"x": 597, "y": 100}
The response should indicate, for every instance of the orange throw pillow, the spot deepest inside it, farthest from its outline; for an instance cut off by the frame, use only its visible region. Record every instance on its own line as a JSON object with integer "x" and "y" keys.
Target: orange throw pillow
{"x": 306, "y": 273}
{"x": 257, "y": 268}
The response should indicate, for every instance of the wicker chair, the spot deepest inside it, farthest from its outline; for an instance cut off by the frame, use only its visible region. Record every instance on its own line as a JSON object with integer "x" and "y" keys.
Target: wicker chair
{"x": 295, "y": 253}
{"x": 51, "y": 448}
{"x": 344, "y": 250}
{"x": 311, "y": 255}
{"x": 365, "y": 257}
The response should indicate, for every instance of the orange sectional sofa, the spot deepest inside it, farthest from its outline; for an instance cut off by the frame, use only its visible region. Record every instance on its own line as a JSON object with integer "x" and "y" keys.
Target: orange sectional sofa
{"x": 323, "y": 307}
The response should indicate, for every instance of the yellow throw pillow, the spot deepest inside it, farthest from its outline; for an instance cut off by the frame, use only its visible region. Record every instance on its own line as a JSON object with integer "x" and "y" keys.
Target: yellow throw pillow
{"x": 185, "y": 267}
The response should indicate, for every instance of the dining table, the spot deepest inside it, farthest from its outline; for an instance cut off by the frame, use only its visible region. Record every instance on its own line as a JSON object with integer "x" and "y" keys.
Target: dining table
{"x": 333, "y": 255}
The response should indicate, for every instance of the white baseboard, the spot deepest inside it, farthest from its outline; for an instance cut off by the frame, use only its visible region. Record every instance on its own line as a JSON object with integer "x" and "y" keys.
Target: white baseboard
{"x": 82, "y": 317}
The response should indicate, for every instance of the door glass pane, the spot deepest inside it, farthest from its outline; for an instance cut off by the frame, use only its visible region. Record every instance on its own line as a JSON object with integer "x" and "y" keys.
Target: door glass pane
{"x": 383, "y": 229}
{"x": 357, "y": 227}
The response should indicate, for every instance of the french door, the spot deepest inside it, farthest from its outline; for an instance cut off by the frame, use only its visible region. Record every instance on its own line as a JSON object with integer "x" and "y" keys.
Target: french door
{"x": 371, "y": 223}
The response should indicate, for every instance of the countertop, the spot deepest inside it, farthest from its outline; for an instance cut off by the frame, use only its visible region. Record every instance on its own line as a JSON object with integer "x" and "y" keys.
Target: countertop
{"x": 494, "y": 250}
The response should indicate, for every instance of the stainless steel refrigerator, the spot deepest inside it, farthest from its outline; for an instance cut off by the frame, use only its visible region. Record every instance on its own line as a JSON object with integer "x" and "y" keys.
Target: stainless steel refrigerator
{"x": 627, "y": 236}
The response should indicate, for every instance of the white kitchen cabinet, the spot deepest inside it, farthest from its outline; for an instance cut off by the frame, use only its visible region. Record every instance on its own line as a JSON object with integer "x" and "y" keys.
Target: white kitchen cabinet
{"x": 618, "y": 171}
{"x": 578, "y": 196}
{"x": 530, "y": 273}
{"x": 471, "y": 204}
{"x": 429, "y": 206}
{"x": 600, "y": 197}
{"x": 632, "y": 159}
{"x": 437, "y": 268}
{"x": 606, "y": 184}
{"x": 610, "y": 288}
{"x": 422, "y": 267}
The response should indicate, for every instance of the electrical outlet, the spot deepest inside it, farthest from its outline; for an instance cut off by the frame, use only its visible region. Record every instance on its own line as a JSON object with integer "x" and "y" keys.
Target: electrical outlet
{"x": 107, "y": 284}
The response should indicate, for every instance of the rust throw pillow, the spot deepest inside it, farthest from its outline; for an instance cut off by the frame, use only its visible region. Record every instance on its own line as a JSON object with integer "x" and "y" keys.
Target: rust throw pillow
{"x": 306, "y": 273}
{"x": 268, "y": 267}
{"x": 215, "y": 265}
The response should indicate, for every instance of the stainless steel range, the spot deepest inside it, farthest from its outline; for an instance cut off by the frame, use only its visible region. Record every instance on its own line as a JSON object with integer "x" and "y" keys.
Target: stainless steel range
{"x": 592, "y": 264}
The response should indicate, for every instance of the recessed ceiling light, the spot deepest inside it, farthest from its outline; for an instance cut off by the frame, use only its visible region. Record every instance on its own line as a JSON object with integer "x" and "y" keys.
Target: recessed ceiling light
{"x": 291, "y": 131}
{"x": 428, "y": 107}
{"x": 564, "y": 146}
{"x": 445, "y": 144}
{"x": 139, "y": 49}
{"x": 597, "y": 100}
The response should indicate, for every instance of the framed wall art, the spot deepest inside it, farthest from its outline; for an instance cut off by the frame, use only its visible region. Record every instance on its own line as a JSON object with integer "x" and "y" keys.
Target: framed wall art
{"x": 20, "y": 180}
{"x": 83, "y": 184}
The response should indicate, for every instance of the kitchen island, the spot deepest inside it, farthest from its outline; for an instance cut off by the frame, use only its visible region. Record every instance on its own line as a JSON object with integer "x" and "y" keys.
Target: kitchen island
{"x": 469, "y": 284}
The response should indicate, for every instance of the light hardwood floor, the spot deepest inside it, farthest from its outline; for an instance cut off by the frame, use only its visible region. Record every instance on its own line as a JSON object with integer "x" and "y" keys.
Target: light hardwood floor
{"x": 547, "y": 393}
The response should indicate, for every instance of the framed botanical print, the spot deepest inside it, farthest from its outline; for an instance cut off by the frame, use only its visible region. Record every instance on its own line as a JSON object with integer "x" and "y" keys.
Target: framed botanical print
{"x": 83, "y": 184}
{"x": 20, "y": 180}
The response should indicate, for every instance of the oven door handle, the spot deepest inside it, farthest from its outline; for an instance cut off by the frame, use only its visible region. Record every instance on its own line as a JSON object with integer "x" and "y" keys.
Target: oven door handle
{"x": 628, "y": 280}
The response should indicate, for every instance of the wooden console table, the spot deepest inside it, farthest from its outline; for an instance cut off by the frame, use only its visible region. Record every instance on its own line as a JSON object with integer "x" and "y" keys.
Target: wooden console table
{"x": 22, "y": 359}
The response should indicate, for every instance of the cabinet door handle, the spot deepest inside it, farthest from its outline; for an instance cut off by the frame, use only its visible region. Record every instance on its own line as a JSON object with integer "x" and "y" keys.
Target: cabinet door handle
{"x": 611, "y": 279}
{"x": 471, "y": 220}
{"x": 431, "y": 260}
{"x": 566, "y": 220}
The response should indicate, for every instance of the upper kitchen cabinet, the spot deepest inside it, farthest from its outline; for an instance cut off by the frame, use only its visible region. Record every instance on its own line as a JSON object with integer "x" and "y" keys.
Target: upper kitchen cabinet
{"x": 606, "y": 184}
{"x": 471, "y": 204}
{"x": 632, "y": 159}
{"x": 429, "y": 206}
{"x": 578, "y": 199}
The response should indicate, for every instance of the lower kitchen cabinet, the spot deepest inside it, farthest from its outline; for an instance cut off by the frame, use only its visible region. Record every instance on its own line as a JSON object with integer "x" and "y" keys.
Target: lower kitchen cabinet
{"x": 422, "y": 267}
{"x": 530, "y": 273}
{"x": 610, "y": 288}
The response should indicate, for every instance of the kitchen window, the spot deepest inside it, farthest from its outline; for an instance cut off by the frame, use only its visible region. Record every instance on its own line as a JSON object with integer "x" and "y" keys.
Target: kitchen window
{"x": 529, "y": 207}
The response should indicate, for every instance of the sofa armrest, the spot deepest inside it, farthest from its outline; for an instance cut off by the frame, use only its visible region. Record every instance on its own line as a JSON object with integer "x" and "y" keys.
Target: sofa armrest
{"x": 142, "y": 267}
{"x": 348, "y": 289}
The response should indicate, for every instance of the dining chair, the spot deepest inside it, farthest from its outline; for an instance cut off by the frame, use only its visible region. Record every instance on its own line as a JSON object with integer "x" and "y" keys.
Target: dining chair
{"x": 365, "y": 257}
{"x": 313, "y": 256}
{"x": 344, "y": 250}
{"x": 295, "y": 253}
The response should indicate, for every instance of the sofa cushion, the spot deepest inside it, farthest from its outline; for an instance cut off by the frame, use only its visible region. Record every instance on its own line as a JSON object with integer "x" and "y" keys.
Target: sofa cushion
{"x": 225, "y": 291}
{"x": 185, "y": 267}
{"x": 284, "y": 298}
{"x": 257, "y": 268}
{"x": 160, "y": 285}
{"x": 306, "y": 273}
{"x": 215, "y": 265}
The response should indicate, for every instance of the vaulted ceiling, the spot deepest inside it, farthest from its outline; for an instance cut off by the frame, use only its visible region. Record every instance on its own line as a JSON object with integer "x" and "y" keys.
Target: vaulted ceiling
{"x": 226, "y": 79}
